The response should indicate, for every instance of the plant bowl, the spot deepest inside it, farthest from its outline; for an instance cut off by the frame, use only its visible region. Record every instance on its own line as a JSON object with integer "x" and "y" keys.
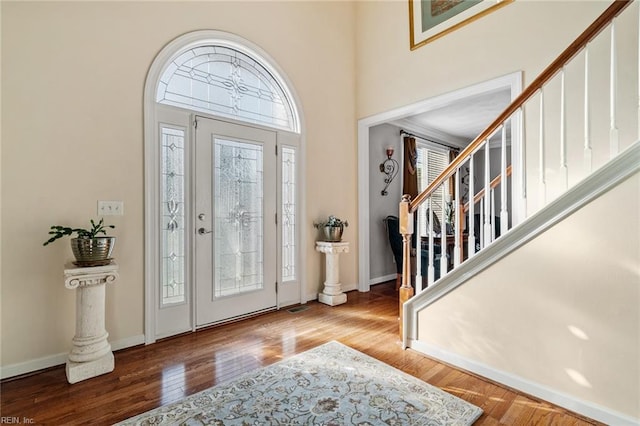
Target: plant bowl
{"x": 92, "y": 251}
{"x": 333, "y": 234}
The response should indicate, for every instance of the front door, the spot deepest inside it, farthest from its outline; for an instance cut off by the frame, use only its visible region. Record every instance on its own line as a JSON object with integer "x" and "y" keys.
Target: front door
{"x": 235, "y": 223}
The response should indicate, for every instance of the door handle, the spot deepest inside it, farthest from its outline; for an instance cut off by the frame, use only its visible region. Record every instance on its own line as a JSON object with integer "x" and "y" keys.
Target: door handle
{"x": 203, "y": 231}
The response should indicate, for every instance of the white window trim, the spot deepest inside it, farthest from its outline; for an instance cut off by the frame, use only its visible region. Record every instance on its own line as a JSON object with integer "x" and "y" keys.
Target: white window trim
{"x": 152, "y": 166}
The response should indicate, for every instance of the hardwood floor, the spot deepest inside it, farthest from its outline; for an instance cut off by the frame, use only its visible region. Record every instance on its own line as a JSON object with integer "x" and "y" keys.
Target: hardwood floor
{"x": 151, "y": 376}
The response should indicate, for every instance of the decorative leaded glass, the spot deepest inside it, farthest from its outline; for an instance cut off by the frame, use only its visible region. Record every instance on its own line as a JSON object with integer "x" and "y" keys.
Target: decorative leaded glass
{"x": 172, "y": 231}
{"x": 288, "y": 214}
{"x": 224, "y": 81}
{"x": 239, "y": 217}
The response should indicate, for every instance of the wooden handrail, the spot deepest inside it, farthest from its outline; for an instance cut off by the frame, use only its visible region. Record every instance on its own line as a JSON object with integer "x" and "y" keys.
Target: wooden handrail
{"x": 574, "y": 48}
{"x": 495, "y": 182}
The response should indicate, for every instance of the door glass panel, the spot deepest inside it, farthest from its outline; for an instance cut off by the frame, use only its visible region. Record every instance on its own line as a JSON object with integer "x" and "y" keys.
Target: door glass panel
{"x": 288, "y": 214}
{"x": 238, "y": 200}
{"x": 172, "y": 223}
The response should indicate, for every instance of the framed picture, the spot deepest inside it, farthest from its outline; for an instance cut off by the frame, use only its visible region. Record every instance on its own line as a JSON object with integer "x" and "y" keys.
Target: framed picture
{"x": 432, "y": 19}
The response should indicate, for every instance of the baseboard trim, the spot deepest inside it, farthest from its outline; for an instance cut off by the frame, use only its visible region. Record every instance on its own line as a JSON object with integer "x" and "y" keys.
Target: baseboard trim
{"x": 345, "y": 288}
{"x": 385, "y": 278}
{"x": 584, "y": 408}
{"x": 127, "y": 342}
{"x": 33, "y": 365}
{"x": 349, "y": 287}
{"x": 49, "y": 361}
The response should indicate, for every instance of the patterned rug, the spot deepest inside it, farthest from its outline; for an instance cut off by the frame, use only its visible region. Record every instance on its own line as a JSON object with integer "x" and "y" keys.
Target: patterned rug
{"x": 328, "y": 385}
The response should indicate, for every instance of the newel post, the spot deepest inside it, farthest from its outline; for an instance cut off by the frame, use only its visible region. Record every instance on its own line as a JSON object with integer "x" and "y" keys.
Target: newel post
{"x": 406, "y": 229}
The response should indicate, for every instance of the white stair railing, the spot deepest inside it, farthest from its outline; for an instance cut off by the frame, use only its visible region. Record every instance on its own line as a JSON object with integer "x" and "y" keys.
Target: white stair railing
{"x": 470, "y": 235}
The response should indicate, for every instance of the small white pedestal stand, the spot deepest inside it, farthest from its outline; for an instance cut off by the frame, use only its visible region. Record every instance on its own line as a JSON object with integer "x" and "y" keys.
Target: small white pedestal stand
{"x": 332, "y": 294}
{"x": 91, "y": 354}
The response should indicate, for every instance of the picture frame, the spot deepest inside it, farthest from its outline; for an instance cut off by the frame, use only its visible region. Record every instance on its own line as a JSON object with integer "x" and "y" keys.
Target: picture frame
{"x": 431, "y": 19}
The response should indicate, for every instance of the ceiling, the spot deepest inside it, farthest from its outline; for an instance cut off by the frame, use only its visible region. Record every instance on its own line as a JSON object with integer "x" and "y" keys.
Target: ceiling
{"x": 459, "y": 122}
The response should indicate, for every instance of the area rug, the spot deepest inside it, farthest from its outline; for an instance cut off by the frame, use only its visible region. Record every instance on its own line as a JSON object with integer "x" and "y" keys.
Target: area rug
{"x": 331, "y": 384}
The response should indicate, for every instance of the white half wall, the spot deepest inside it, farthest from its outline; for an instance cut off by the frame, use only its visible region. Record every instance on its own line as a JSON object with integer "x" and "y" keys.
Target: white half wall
{"x": 562, "y": 312}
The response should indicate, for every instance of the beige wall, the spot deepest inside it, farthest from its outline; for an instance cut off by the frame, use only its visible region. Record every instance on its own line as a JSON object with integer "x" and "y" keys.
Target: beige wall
{"x": 563, "y": 307}
{"x": 72, "y": 86}
{"x": 507, "y": 40}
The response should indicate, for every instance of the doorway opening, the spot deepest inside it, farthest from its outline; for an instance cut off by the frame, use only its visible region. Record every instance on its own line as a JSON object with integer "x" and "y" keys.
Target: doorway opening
{"x": 451, "y": 120}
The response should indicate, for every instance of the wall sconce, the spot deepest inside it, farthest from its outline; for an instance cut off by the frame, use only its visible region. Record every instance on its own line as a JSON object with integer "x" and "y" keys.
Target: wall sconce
{"x": 390, "y": 168}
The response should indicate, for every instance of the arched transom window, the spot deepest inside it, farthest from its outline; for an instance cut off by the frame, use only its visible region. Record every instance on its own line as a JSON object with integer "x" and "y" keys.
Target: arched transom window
{"x": 197, "y": 82}
{"x": 223, "y": 80}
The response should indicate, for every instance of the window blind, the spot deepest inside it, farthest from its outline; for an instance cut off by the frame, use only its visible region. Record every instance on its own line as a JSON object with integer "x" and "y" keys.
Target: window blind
{"x": 431, "y": 162}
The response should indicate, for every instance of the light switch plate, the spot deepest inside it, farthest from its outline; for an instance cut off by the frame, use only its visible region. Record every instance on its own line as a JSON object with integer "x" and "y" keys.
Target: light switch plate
{"x": 110, "y": 208}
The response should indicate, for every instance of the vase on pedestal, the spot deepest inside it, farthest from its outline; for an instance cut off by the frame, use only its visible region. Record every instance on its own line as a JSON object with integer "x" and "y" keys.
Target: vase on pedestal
{"x": 92, "y": 251}
{"x": 333, "y": 234}
{"x": 332, "y": 229}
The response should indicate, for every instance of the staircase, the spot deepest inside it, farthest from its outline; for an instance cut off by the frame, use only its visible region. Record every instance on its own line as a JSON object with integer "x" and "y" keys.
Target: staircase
{"x": 541, "y": 290}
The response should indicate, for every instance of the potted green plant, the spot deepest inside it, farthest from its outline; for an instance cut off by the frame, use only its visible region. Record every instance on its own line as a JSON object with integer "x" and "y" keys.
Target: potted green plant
{"x": 91, "y": 247}
{"x": 332, "y": 228}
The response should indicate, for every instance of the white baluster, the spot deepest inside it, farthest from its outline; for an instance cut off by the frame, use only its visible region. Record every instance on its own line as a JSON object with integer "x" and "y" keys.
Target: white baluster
{"x": 418, "y": 236}
{"x": 504, "y": 211}
{"x": 493, "y": 214}
{"x": 472, "y": 207}
{"x": 543, "y": 184}
{"x": 614, "y": 137}
{"x": 482, "y": 239}
{"x": 564, "y": 171}
{"x": 456, "y": 227}
{"x": 430, "y": 269}
{"x": 519, "y": 214}
{"x": 444, "y": 264}
{"x": 588, "y": 154}
{"x": 487, "y": 189}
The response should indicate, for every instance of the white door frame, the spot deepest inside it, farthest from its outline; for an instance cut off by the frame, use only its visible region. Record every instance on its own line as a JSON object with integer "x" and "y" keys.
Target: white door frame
{"x": 511, "y": 81}
{"x": 152, "y": 167}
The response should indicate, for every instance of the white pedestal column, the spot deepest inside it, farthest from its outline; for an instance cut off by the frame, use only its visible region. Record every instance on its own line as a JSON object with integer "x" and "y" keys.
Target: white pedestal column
{"x": 91, "y": 354}
{"x": 332, "y": 293}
